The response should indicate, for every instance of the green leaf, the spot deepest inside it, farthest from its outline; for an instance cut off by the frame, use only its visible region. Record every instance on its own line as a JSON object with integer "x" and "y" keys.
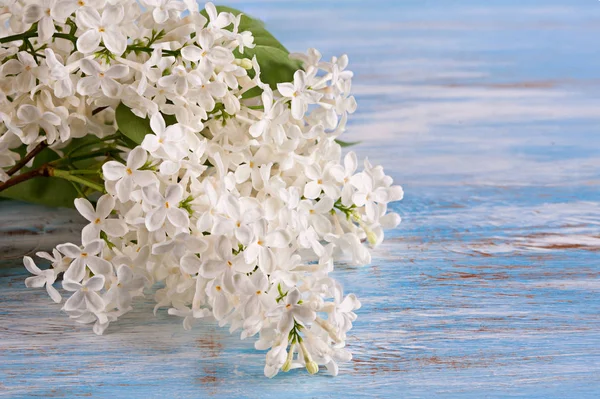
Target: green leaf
{"x": 347, "y": 143}
{"x": 253, "y": 92}
{"x": 131, "y": 125}
{"x": 272, "y": 56}
{"x": 48, "y": 191}
{"x": 135, "y": 128}
{"x": 52, "y": 191}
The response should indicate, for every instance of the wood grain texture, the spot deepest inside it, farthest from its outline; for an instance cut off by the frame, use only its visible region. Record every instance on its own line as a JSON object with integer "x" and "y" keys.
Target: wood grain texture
{"x": 488, "y": 114}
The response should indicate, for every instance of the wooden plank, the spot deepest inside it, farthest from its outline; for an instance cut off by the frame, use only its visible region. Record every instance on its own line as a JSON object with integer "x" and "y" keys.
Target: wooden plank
{"x": 488, "y": 115}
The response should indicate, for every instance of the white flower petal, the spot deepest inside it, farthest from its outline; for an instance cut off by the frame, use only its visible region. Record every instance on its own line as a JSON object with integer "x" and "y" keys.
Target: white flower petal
{"x": 31, "y": 266}
{"x": 191, "y": 53}
{"x": 53, "y": 292}
{"x": 156, "y": 218}
{"x": 88, "y": 17}
{"x": 221, "y": 307}
{"x": 76, "y": 271}
{"x": 112, "y": 15}
{"x": 75, "y": 302}
{"x": 286, "y": 89}
{"x": 190, "y": 264}
{"x": 94, "y": 302}
{"x": 115, "y": 41}
{"x": 117, "y": 71}
{"x": 35, "y": 281}
{"x": 115, "y": 227}
{"x": 88, "y": 85}
{"x": 113, "y": 170}
{"x": 178, "y": 217}
{"x": 124, "y": 188}
{"x": 70, "y": 250}
{"x": 110, "y": 87}
{"x": 105, "y": 205}
{"x": 174, "y": 194}
{"x": 95, "y": 283}
{"x": 98, "y": 265}
{"x": 137, "y": 158}
{"x": 312, "y": 190}
{"x": 85, "y": 208}
{"x": 89, "y": 41}
{"x": 90, "y": 233}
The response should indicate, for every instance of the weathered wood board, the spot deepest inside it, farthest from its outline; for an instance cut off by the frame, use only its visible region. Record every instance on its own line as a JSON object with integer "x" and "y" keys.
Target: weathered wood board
{"x": 488, "y": 114}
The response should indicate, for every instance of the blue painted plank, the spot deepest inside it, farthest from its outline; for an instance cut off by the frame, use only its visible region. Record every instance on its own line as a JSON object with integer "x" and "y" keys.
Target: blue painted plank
{"x": 488, "y": 115}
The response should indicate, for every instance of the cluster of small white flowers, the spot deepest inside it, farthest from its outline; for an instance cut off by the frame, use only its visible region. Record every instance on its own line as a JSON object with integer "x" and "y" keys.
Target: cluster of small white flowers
{"x": 238, "y": 207}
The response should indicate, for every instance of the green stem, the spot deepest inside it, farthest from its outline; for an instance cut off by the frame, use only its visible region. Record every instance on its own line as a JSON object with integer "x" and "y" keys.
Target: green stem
{"x": 66, "y": 175}
{"x": 33, "y": 53}
{"x": 66, "y": 36}
{"x": 107, "y": 138}
{"x": 72, "y": 38}
{"x": 49, "y": 169}
{"x": 39, "y": 148}
{"x": 93, "y": 154}
{"x": 84, "y": 172}
{"x": 149, "y": 50}
{"x": 78, "y": 189}
{"x": 20, "y": 36}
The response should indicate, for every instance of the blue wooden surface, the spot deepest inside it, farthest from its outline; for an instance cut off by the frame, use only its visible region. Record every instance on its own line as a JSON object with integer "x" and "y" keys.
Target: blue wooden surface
{"x": 488, "y": 114}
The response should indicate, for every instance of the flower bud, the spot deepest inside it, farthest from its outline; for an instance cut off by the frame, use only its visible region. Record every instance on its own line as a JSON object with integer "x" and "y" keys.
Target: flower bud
{"x": 312, "y": 367}
{"x": 371, "y": 236}
{"x": 243, "y": 62}
{"x": 288, "y": 361}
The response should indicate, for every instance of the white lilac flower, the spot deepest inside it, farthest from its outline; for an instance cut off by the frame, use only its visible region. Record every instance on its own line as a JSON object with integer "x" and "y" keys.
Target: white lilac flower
{"x": 149, "y": 71}
{"x": 166, "y": 142}
{"x": 293, "y": 311}
{"x": 317, "y": 213}
{"x": 299, "y": 93}
{"x": 366, "y": 195}
{"x": 24, "y": 68}
{"x": 162, "y": 10}
{"x": 98, "y": 218}
{"x": 225, "y": 265}
{"x": 42, "y": 14}
{"x": 86, "y": 294}
{"x": 217, "y": 298}
{"x": 322, "y": 179}
{"x": 260, "y": 249}
{"x": 130, "y": 175}
{"x": 180, "y": 80}
{"x": 272, "y": 120}
{"x": 65, "y": 8}
{"x": 125, "y": 285}
{"x": 310, "y": 60}
{"x": 217, "y": 21}
{"x": 58, "y": 263}
{"x": 42, "y": 278}
{"x": 235, "y": 198}
{"x": 206, "y": 53}
{"x": 100, "y": 77}
{"x": 85, "y": 257}
{"x": 61, "y": 74}
{"x": 32, "y": 119}
{"x": 165, "y": 207}
{"x": 189, "y": 315}
{"x": 101, "y": 28}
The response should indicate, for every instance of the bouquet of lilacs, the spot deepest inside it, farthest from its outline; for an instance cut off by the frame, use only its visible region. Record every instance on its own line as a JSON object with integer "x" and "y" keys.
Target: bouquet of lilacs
{"x": 206, "y": 159}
